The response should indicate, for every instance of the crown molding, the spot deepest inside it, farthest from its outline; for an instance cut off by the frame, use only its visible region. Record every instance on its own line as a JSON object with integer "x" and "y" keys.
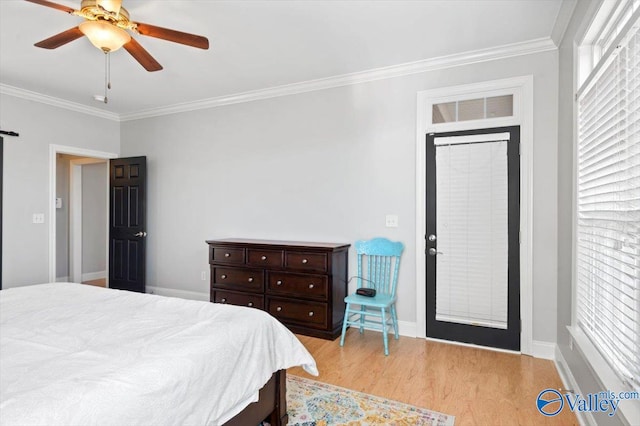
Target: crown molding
{"x": 449, "y": 61}
{"x": 460, "y": 59}
{"x": 17, "y": 92}
{"x": 562, "y": 20}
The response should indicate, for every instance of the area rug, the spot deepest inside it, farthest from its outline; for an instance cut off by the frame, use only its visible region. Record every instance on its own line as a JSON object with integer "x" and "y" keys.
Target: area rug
{"x": 311, "y": 403}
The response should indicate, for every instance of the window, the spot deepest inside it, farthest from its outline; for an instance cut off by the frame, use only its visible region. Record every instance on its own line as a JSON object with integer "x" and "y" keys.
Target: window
{"x": 608, "y": 196}
{"x": 472, "y": 109}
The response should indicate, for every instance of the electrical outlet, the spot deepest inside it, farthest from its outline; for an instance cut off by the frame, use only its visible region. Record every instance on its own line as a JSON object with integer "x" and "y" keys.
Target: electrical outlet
{"x": 391, "y": 221}
{"x": 38, "y": 218}
{"x": 203, "y": 276}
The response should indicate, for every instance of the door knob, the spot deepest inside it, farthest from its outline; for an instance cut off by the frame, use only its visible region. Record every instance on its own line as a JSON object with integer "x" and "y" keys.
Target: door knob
{"x": 140, "y": 234}
{"x": 433, "y": 252}
{"x": 432, "y": 237}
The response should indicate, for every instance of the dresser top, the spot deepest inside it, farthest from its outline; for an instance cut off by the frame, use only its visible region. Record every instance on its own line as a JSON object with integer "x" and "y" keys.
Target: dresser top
{"x": 250, "y": 241}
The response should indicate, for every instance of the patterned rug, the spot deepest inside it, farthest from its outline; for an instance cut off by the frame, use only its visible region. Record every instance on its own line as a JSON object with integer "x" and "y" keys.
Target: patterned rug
{"x": 311, "y": 403}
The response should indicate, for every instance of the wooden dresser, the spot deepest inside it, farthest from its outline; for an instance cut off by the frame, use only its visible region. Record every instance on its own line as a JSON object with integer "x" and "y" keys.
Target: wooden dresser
{"x": 301, "y": 284}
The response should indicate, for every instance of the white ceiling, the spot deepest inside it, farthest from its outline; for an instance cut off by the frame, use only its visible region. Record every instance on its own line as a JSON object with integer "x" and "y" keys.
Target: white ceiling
{"x": 254, "y": 44}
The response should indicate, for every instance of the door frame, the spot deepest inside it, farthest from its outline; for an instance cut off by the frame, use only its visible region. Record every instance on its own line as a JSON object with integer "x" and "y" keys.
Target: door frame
{"x": 522, "y": 90}
{"x": 70, "y": 150}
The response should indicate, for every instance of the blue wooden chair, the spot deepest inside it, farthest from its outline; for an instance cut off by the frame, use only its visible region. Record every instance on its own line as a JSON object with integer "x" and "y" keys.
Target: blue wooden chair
{"x": 378, "y": 264}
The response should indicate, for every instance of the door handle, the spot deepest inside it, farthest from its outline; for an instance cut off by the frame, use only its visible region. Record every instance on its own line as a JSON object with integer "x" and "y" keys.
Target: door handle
{"x": 433, "y": 252}
{"x": 140, "y": 234}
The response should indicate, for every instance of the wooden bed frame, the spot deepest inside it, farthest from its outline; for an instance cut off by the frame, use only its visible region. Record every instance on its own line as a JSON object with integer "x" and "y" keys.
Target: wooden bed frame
{"x": 271, "y": 405}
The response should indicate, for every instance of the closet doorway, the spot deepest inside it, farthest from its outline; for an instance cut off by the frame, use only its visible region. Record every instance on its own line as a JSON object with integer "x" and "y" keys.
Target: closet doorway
{"x": 79, "y": 191}
{"x": 81, "y": 219}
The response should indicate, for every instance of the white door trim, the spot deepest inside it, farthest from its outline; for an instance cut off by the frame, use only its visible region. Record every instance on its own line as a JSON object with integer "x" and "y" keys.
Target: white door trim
{"x": 522, "y": 90}
{"x": 71, "y": 150}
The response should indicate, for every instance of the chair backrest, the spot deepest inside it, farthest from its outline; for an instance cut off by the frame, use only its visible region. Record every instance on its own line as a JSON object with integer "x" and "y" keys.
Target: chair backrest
{"x": 378, "y": 264}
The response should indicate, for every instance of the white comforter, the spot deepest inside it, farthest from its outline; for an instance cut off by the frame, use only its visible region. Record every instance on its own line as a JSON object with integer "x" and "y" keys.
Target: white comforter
{"x": 72, "y": 354}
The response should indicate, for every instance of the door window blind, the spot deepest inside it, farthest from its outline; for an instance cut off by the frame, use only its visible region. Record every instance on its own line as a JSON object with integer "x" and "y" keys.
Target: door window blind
{"x": 472, "y": 212}
{"x": 608, "y": 208}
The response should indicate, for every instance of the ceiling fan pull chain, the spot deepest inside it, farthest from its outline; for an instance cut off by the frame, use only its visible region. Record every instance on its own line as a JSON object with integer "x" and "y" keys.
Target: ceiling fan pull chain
{"x": 107, "y": 82}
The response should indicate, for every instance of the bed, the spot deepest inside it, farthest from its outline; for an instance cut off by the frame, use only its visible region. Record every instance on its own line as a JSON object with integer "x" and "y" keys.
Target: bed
{"x": 74, "y": 354}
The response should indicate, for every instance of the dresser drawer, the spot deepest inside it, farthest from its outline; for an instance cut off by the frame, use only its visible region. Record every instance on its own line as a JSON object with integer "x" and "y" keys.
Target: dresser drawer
{"x": 265, "y": 257}
{"x": 316, "y": 262}
{"x": 310, "y": 314}
{"x": 239, "y": 299}
{"x": 298, "y": 285}
{"x": 227, "y": 255}
{"x": 237, "y": 278}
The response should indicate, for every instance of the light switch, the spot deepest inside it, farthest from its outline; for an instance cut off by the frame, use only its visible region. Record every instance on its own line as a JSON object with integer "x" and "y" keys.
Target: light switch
{"x": 392, "y": 221}
{"x": 38, "y": 218}
{"x": 58, "y": 203}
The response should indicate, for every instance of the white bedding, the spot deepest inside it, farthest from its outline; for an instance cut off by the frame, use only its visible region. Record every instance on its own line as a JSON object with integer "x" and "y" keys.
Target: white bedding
{"x": 73, "y": 354}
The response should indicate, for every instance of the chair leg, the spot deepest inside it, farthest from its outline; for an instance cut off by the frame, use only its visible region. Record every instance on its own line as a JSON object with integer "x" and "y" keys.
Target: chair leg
{"x": 385, "y": 339}
{"x": 394, "y": 318}
{"x": 362, "y": 315}
{"x": 344, "y": 324}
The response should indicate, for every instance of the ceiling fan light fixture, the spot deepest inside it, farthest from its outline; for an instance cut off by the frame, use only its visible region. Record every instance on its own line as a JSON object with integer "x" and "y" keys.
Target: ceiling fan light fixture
{"x": 105, "y": 36}
{"x": 112, "y": 6}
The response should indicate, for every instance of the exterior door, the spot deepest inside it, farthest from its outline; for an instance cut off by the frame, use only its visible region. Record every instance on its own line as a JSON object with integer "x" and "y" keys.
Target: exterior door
{"x": 473, "y": 222}
{"x": 127, "y": 223}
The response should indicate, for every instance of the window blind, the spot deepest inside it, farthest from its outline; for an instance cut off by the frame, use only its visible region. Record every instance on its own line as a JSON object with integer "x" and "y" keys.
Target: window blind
{"x": 472, "y": 225}
{"x": 608, "y": 208}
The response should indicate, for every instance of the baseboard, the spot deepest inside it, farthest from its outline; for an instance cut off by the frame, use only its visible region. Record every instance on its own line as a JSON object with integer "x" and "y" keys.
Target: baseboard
{"x": 407, "y": 328}
{"x": 585, "y": 418}
{"x": 183, "y": 294}
{"x": 544, "y": 350}
{"x": 64, "y": 279}
{"x": 90, "y": 276}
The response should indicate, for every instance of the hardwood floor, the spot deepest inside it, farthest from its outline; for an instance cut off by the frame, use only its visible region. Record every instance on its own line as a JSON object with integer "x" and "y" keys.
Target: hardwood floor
{"x": 479, "y": 387}
{"x": 101, "y": 282}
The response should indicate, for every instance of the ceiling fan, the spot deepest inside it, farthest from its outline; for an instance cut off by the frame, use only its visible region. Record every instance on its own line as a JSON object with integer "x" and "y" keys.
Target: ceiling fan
{"x": 106, "y": 24}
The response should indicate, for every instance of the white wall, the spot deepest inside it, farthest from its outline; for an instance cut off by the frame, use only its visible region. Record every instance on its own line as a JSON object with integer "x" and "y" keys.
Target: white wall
{"x": 26, "y": 178}
{"x": 94, "y": 218}
{"x": 328, "y": 166}
{"x": 62, "y": 218}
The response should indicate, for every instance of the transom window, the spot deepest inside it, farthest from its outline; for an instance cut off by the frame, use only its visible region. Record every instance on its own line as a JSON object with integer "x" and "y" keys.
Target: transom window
{"x": 473, "y": 109}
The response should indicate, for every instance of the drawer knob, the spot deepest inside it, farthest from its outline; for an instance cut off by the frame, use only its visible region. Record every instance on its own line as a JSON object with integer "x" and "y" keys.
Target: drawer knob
{"x": 264, "y": 258}
{"x": 279, "y": 308}
{"x": 311, "y": 313}
{"x": 223, "y": 276}
{"x": 227, "y": 255}
{"x": 224, "y": 300}
{"x": 311, "y": 285}
{"x": 305, "y": 261}
{"x": 250, "y": 304}
{"x": 279, "y": 282}
{"x": 250, "y": 279}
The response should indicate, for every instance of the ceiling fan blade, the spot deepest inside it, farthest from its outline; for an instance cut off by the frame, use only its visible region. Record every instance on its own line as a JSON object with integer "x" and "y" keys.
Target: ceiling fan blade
{"x": 173, "y": 35}
{"x": 52, "y": 5}
{"x": 142, "y": 56}
{"x": 60, "y": 39}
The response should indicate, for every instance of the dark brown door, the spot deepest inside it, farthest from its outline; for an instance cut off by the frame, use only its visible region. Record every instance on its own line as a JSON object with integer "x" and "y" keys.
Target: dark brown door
{"x": 127, "y": 223}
